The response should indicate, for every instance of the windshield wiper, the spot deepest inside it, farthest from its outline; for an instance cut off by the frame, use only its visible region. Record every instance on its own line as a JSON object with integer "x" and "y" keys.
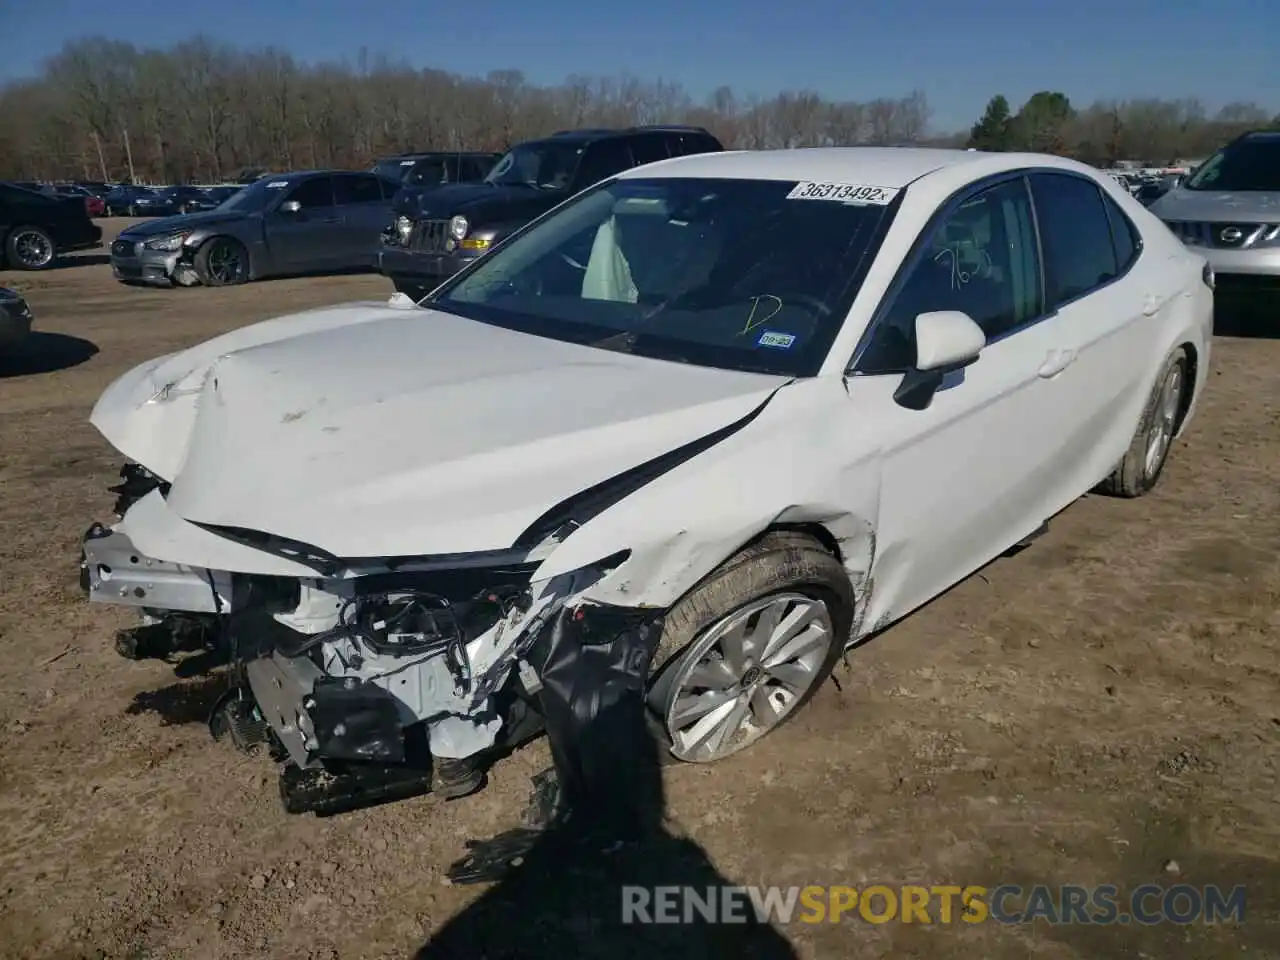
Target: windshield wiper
{"x": 624, "y": 342}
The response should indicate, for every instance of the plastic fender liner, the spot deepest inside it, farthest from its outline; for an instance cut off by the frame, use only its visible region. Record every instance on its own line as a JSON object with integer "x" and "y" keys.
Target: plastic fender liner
{"x": 581, "y": 507}
{"x": 594, "y": 663}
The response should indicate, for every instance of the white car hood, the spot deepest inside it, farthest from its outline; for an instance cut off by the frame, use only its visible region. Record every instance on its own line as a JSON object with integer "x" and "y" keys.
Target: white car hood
{"x": 372, "y": 430}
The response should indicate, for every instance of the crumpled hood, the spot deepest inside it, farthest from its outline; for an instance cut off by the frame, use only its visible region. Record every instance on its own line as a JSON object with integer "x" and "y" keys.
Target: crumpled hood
{"x": 1217, "y": 206}
{"x": 372, "y": 430}
{"x": 162, "y": 226}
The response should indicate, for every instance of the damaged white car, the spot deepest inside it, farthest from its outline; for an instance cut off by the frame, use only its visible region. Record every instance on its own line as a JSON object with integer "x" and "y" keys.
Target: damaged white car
{"x": 757, "y": 404}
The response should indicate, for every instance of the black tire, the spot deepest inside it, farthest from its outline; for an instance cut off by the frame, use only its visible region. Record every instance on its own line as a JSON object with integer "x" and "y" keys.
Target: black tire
{"x": 1134, "y": 476}
{"x": 222, "y": 262}
{"x": 779, "y": 562}
{"x": 30, "y": 248}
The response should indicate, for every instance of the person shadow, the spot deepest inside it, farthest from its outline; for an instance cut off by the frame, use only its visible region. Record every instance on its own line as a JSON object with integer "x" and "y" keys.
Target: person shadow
{"x": 583, "y": 876}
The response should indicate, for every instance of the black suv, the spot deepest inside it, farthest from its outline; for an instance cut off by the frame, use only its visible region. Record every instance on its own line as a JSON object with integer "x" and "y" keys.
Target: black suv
{"x": 439, "y": 231}
{"x": 434, "y": 168}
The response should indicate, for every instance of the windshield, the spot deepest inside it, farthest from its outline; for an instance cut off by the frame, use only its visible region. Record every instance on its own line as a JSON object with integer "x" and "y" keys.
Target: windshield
{"x": 545, "y": 165}
{"x": 720, "y": 273}
{"x": 1248, "y": 165}
{"x": 254, "y": 197}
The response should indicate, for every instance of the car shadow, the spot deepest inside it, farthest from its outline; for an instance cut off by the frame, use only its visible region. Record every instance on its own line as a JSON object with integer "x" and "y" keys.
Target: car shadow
{"x": 43, "y": 352}
{"x": 1248, "y": 324}
{"x": 70, "y": 260}
{"x": 589, "y": 885}
{"x": 189, "y": 701}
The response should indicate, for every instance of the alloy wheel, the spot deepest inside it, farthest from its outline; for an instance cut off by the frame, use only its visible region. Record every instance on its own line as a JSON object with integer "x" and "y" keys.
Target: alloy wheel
{"x": 1164, "y": 421}
{"x": 224, "y": 263}
{"x": 745, "y": 674}
{"x": 32, "y": 249}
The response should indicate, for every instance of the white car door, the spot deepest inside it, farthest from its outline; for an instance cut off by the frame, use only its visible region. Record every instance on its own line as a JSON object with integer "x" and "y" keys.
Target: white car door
{"x": 1110, "y": 301}
{"x": 979, "y": 468}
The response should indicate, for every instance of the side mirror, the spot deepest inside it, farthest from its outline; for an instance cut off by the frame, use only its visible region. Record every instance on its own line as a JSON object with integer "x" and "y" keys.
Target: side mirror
{"x": 291, "y": 206}
{"x": 946, "y": 341}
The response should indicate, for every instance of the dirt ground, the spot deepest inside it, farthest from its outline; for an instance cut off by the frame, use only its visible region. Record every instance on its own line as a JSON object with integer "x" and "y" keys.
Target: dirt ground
{"x": 1086, "y": 711}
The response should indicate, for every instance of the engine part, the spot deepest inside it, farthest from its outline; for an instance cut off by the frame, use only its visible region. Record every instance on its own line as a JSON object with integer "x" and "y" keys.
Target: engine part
{"x": 326, "y": 793}
{"x": 236, "y": 717}
{"x": 160, "y": 638}
{"x": 354, "y": 721}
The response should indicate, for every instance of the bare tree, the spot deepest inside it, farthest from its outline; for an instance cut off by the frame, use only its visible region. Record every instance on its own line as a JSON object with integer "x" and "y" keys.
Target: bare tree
{"x": 203, "y": 110}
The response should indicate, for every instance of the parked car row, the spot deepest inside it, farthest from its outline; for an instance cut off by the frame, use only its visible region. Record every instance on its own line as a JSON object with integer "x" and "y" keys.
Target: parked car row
{"x": 417, "y": 218}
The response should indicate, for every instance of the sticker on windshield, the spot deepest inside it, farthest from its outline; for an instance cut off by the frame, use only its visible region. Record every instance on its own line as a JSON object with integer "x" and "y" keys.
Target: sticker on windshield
{"x": 277, "y": 184}
{"x": 782, "y": 341}
{"x": 842, "y": 192}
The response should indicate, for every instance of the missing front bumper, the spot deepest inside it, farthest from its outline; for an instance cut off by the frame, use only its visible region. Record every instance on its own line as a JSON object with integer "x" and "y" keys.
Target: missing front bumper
{"x": 113, "y": 570}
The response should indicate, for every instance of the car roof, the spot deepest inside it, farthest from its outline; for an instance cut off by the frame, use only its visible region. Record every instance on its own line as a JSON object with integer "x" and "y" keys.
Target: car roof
{"x": 424, "y": 154}
{"x": 892, "y": 167}
{"x": 881, "y": 166}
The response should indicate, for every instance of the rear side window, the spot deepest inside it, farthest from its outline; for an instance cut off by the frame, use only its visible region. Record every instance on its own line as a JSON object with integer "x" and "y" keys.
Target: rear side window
{"x": 1124, "y": 235}
{"x": 431, "y": 172}
{"x": 476, "y": 168}
{"x": 349, "y": 188}
{"x": 603, "y": 159}
{"x": 316, "y": 192}
{"x": 648, "y": 148}
{"x": 683, "y": 144}
{"x": 1075, "y": 235}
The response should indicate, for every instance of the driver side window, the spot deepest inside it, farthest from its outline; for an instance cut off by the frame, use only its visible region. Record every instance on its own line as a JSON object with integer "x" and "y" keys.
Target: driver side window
{"x": 316, "y": 192}
{"x": 982, "y": 260}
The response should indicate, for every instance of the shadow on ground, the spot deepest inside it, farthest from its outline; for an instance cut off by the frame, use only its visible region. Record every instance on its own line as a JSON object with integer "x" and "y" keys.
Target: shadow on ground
{"x": 568, "y": 889}
{"x": 80, "y": 260}
{"x": 43, "y": 352}
{"x": 188, "y": 701}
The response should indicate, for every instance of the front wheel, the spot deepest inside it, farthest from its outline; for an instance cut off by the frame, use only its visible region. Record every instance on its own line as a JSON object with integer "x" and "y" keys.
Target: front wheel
{"x": 1149, "y": 450}
{"x": 747, "y": 648}
{"x": 222, "y": 262}
{"x": 30, "y": 248}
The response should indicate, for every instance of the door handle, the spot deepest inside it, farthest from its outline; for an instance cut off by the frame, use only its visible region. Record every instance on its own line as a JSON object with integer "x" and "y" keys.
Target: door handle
{"x": 331, "y": 220}
{"x": 1056, "y": 362}
{"x": 1151, "y": 305}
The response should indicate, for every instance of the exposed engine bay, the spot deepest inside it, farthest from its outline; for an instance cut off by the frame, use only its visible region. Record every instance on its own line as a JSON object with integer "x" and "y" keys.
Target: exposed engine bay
{"x": 359, "y": 681}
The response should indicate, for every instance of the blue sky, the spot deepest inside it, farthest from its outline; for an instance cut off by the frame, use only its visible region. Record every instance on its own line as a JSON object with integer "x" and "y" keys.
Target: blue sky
{"x": 959, "y": 52}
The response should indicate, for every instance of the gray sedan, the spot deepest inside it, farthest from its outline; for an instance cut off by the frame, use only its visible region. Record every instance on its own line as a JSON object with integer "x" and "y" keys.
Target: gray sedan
{"x": 313, "y": 222}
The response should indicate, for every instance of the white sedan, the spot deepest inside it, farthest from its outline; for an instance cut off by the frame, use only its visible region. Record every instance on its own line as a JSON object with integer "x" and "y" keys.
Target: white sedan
{"x": 761, "y": 404}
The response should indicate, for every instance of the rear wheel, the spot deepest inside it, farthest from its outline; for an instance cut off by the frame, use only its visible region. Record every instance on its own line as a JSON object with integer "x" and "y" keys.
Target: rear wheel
{"x": 30, "y": 248}
{"x": 1149, "y": 450}
{"x": 222, "y": 262}
{"x": 747, "y": 648}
